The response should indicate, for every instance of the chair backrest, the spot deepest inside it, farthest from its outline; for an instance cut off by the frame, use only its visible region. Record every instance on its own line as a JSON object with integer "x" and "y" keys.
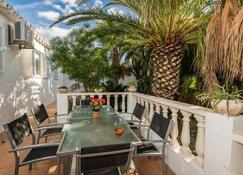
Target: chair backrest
{"x": 85, "y": 102}
{"x": 18, "y": 130}
{"x": 138, "y": 111}
{"x": 93, "y": 158}
{"x": 40, "y": 114}
{"x": 161, "y": 126}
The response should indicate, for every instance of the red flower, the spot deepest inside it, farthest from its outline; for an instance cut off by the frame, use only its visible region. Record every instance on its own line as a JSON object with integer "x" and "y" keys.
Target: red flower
{"x": 103, "y": 101}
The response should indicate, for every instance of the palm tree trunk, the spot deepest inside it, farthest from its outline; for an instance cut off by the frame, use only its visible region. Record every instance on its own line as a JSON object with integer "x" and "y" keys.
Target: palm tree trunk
{"x": 166, "y": 69}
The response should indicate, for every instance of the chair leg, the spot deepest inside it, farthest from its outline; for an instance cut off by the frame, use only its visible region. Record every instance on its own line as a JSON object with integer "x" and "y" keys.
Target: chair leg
{"x": 163, "y": 160}
{"x": 16, "y": 171}
{"x": 38, "y": 140}
{"x": 59, "y": 166}
{"x": 45, "y": 139}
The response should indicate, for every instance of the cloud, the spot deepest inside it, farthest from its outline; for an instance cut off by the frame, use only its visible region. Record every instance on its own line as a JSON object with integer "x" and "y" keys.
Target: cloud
{"x": 50, "y": 15}
{"x": 71, "y": 3}
{"x": 114, "y": 10}
{"x": 55, "y": 31}
{"x": 98, "y": 3}
{"x": 27, "y": 6}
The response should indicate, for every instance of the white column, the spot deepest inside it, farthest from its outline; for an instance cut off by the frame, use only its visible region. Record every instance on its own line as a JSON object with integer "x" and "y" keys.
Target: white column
{"x": 74, "y": 101}
{"x": 165, "y": 111}
{"x": 131, "y": 102}
{"x": 200, "y": 140}
{"x": 151, "y": 110}
{"x": 157, "y": 108}
{"x": 116, "y": 103}
{"x": 62, "y": 104}
{"x": 174, "y": 132}
{"x": 185, "y": 135}
{"x": 123, "y": 102}
{"x": 108, "y": 97}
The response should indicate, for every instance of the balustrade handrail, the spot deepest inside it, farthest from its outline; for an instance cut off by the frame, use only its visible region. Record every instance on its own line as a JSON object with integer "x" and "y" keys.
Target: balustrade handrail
{"x": 194, "y": 109}
{"x": 94, "y": 93}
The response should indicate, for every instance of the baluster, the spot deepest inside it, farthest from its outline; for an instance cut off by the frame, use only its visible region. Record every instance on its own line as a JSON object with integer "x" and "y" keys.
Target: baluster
{"x": 200, "y": 140}
{"x": 74, "y": 101}
{"x": 147, "y": 116}
{"x": 151, "y": 110}
{"x": 108, "y": 97}
{"x": 165, "y": 111}
{"x": 116, "y": 103}
{"x": 100, "y": 96}
{"x": 185, "y": 135}
{"x": 157, "y": 108}
{"x": 174, "y": 132}
{"x": 123, "y": 102}
{"x": 138, "y": 101}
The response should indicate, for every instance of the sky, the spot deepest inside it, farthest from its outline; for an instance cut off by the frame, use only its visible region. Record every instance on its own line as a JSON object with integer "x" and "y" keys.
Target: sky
{"x": 42, "y": 13}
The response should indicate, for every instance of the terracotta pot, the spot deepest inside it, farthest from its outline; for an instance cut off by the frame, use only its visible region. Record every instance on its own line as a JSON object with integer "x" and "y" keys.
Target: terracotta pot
{"x": 96, "y": 114}
{"x": 235, "y": 107}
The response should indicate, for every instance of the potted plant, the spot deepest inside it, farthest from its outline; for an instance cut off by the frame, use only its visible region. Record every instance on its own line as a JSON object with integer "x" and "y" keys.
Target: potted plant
{"x": 62, "y": 89}
{"x": 132, "y": 86}
{"x": 223, "y": 100}
{"x": 96, "y": 105}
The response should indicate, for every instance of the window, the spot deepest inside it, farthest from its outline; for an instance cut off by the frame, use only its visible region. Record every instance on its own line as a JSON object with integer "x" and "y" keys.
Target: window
{"x": 2, "y": 48}
{"x": 46, "y": 68}
{"x": 37, "y": 64}
{"x": 55, "y": 74}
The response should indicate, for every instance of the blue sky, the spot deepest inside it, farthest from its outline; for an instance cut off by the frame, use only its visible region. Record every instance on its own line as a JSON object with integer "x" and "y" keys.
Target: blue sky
{"x": 42, "y": 13}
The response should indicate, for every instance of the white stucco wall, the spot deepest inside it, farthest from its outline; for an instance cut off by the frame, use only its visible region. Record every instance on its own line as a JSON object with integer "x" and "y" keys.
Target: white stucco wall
{"x": 19, "y": 89}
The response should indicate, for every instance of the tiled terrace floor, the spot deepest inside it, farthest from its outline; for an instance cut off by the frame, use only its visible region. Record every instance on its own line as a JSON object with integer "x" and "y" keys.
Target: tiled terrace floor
{"x": 145, "y": 166}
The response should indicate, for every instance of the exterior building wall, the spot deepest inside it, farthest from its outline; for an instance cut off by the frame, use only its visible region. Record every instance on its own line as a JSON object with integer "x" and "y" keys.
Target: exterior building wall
{"x": 20, "y": 88}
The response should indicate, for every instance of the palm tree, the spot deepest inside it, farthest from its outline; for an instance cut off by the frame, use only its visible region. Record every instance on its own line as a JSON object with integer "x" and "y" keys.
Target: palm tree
{"x": 224, "y": 44}
{"x": 166, "y": 26}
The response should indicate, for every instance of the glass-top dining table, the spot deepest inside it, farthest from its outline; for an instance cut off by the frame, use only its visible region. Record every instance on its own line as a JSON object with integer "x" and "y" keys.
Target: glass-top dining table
{"x": 82, "y": 130}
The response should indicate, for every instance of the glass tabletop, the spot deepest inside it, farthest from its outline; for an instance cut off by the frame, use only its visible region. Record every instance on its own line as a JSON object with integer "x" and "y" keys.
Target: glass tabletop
{"x": 82, "y": 130}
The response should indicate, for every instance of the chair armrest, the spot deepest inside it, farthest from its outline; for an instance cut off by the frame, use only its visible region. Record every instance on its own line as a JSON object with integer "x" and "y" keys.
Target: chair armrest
{"x": 136, "y": 121}
{"x": 154, "y": 141}
{"x": 56, "y": 115}
{"x": 51, "y": 125}
{"x": 46, "y": 127}
{"x": 33, "y": 146}
{"x": 145, "y": 126}
{"x": 125, "y": 113}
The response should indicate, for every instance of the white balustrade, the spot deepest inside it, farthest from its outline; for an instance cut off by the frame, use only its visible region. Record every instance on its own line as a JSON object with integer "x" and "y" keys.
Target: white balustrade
{"x": 174, "y": 131}
{"x": 157, "y": 108}
{"x": 123, "y": 102}
{"x": 200, "y": 140}
{"x": 185, "y": 135}
{"x": 151, "y": 110}
{"x": 108, "y": 98}
{"x": 116, "y": 103}
{"x": 165, "y": 111}
{"x": 74, "y": 101}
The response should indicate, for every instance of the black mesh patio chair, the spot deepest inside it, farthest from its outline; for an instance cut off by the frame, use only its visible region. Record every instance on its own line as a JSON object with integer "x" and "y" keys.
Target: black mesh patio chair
{"x": 138, "y": 113}
{"x": 17, "y": 131}
{"x": 45, "y": 130}
{"x": 85, "y": 102}
{"x": 161, "y": 126}
{"x": 104, "y": 160}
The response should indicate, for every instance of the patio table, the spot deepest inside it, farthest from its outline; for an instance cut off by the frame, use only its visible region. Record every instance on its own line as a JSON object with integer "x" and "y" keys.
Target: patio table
{"x": 81, "y": 130}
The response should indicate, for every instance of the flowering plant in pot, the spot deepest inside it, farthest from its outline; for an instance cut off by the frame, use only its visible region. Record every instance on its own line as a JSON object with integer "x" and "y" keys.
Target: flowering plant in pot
{"x": 96, "y": 104}
{"x": 223, "y": 100}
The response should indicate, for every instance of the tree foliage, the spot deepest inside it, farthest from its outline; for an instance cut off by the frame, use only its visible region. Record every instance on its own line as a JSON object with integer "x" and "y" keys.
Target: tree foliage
{"x": 79, "y": 57}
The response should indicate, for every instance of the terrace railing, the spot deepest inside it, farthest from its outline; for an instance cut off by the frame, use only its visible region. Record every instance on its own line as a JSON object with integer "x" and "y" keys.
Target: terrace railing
{"x": 192, "y": 136}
